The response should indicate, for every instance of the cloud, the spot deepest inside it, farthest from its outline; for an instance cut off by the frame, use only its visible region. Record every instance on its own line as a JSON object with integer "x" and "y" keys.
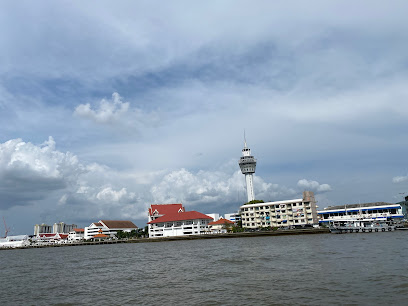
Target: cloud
{"x": 206, "y": 187}
{"x": 109, "y": 195}
{"x": 108, "y": 111}
{"x": 29, "y": 172}
{"x": 313, "y": 186}
{"x": 41, "y": 174}
{"x": 399, "y": 179}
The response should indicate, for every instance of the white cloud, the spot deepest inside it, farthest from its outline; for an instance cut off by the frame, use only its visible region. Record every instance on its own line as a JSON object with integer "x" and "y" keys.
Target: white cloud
{"x": 399, "y": 179}
{"x": 214, "y": 187}
{"x": 108, "y": 111}
{"x": 110, "y": 195}
{"x": 313, "y": 186}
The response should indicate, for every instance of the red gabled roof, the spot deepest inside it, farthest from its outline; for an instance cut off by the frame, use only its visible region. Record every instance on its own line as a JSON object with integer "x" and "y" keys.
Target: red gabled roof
{"x": 164, "y": 209}
{"x": 54, "y": 235}
{"x": 118, "y": 224}
{"x": 79, "y": 230}
{"x": 180, "y": 216}
{"x": 48, "y": 235}
{"x": 100, "y": 236}
{"x": 97, "y": 224}
{"x": 221, "y": 221}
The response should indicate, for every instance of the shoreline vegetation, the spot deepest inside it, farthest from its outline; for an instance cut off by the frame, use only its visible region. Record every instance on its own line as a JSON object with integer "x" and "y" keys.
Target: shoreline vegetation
{"x": 191, "y": 237}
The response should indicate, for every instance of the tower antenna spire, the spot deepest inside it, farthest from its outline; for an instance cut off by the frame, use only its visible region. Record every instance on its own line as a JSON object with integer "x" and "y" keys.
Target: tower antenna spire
{"x": 245, "y": 144}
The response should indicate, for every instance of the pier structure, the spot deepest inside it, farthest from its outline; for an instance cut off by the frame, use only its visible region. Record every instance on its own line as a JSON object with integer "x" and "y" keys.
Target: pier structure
{"x": 247, "y": 163}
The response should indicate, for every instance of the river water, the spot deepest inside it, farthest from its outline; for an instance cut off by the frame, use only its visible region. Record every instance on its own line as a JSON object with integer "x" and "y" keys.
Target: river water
{"x": 348, "y": 269}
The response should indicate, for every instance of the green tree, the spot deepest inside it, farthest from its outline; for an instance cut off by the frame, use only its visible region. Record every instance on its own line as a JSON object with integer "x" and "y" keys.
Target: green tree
{"x": 254, "y": 202}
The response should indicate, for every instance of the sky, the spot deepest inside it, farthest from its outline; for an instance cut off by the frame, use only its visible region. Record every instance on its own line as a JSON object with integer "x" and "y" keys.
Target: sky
{"x": 108, "y": 107}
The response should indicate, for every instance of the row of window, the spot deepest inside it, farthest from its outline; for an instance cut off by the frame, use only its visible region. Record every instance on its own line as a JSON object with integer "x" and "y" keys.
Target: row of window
{"x": 276, "y": 206}
{"x": 267, "y": 223}
{"x": 364, "y": 212}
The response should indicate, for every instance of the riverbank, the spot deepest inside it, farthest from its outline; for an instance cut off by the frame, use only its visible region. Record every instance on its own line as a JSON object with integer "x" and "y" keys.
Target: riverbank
{"x": 192, "y": 237}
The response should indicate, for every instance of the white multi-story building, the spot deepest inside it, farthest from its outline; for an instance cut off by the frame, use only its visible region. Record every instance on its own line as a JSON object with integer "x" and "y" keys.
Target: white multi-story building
{"x": 180, "y": 223}
{"x": 365, "y": 213}
{"x": 108, "y": 227}
{"x": 296, "y": 212}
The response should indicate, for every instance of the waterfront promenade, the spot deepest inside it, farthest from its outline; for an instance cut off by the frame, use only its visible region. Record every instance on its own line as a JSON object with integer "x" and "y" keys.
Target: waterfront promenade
{"x": 192, "y": 237}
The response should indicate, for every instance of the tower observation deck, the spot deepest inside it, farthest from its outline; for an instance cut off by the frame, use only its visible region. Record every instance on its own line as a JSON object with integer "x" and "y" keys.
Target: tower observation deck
{"x": 247, "y": 163}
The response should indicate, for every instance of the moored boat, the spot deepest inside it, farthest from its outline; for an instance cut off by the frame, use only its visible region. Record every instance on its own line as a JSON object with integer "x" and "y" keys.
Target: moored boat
{"x": 361, "y": 226}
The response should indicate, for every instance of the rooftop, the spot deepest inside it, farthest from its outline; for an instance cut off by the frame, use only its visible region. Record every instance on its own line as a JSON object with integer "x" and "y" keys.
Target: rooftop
{"x": 163, "y": 209}
{"x": 221, "y": 221}
{"x": 359, "y": 205}
{"x": 180, "y": 216}
{"x": 118, "y": 224}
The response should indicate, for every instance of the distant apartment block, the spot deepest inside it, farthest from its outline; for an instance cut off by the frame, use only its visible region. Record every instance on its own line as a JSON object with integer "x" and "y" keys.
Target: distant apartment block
{"x": 42, "y": 229}
{"x": 296, "y": 212}
{"x": 59, "y": 227}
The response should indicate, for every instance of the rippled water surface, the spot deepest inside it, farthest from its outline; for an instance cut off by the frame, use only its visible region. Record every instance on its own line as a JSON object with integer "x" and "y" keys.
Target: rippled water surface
{"x": 348, "y": 269}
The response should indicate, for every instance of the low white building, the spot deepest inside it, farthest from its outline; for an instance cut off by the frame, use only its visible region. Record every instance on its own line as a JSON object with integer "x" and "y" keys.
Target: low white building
{"x": 234, "y": 217}
{"x": 77, "y": 234}
{"x": 215, "y": 217}
{"x": 108, "y": 227}
{"x": 366, "y": 213}
{"x": 179, "y": 224}
{"x": 51, "y": 238}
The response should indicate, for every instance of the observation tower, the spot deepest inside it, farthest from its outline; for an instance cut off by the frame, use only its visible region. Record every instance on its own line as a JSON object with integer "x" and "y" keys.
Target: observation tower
{"x": 247, "y": 163}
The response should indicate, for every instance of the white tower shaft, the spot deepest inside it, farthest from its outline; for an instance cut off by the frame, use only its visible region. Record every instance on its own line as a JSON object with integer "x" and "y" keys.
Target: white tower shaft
{"x": 247, "y": 163}
{"x": 250, "y": 187}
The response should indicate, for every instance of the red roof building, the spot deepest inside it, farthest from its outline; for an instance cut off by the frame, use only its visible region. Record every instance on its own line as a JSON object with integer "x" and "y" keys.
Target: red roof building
{"x": 221, "y": 221}
{"x": 166, "y": 220}
{"x": 220, "y": 226}
{"x": 181, "y": 216}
